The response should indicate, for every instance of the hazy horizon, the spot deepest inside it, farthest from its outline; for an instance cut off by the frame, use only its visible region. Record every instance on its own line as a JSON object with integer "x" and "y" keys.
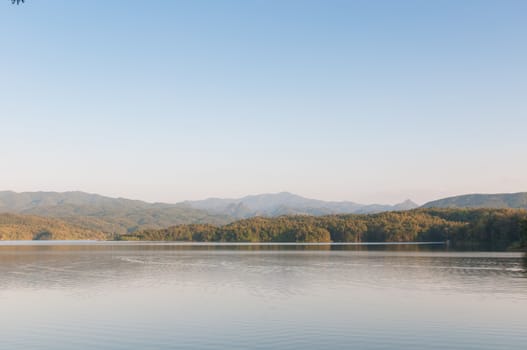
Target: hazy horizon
{"x": 370, "y": 102}
{"x": 258, "y": 194}
{"x": 203, "y": 198}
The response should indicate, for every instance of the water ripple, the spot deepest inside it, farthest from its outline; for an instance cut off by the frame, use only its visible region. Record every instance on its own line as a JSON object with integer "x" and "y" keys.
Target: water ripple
{"x": 159, "y": 297}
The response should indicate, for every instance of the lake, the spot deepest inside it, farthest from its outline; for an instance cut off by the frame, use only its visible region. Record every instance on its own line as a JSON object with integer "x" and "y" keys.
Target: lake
{"x": 89, "y": 295}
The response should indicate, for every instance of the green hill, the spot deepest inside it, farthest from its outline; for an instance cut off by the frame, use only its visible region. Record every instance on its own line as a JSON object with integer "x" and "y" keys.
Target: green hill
{"x": 500, "y": 200}
{"x": 28, "y": 227}
{"x": 496, "y": 228}
{"x": 104, "y": 214}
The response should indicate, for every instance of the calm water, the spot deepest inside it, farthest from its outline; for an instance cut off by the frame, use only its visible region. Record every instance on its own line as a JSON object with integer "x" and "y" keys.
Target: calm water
{"x": 103, "y": 296}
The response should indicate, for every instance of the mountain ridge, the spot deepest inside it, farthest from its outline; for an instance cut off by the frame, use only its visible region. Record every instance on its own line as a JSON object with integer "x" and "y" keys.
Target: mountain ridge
{"x": 286, "y": 203}
{"x": 106, "y": 214}
{"x": 29, "y": 215}
{"x": 515, "y": 200}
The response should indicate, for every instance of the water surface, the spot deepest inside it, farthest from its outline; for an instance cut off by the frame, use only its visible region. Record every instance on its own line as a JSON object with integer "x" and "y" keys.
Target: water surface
{"x": 165, "y": 296}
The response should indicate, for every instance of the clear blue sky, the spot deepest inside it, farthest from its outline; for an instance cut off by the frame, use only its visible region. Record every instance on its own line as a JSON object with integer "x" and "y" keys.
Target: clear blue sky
{"x": 370, "y": 101}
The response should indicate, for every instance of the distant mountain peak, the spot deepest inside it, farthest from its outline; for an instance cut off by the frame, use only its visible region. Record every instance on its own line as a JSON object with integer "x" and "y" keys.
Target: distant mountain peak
{"x": 405, "y": 205}
{"x": 284, "y": 203}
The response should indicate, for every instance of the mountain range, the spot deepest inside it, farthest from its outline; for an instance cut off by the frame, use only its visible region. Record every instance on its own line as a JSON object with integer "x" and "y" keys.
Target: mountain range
{"x": 104, "y": 214}
{"x": 32, "y": 214}
{"x": 285, "y": 203}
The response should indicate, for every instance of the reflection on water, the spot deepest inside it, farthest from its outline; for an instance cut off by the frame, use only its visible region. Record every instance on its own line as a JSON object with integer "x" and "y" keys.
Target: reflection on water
{"x": 130, "y": 296}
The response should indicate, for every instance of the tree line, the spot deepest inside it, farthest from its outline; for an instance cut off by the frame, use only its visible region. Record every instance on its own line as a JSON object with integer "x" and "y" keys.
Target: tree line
{"x": 493, "y": 227}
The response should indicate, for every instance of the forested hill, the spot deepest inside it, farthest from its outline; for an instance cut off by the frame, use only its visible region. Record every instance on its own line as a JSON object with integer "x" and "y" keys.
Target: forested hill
{"x": 28, "y": 227}
{"x": 500, "y": 200}
{"x": 492, "y": 227}
{"x": 104, "y": 214}
{"x": 90, "y": 215}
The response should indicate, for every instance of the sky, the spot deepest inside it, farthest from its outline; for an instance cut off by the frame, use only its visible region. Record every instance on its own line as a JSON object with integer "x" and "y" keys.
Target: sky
{"x": 370, "y": 101}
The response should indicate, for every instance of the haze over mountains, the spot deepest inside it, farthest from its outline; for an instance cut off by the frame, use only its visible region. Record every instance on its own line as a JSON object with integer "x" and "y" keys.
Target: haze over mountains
{"x": 499, "y": 200}
{"x": 285, "y": 203}
{"x": 65, "y": 204}
{"x": 105, "y": 214}
{"x": 31, "y": 214}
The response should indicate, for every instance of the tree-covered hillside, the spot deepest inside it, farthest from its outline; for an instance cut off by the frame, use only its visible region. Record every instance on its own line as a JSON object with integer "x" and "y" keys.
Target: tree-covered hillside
{"x": 27, "y": 227}
{"x": 498, "y": 228}
{"x": 493, "y": 227}
{"x": 100, "y": 213}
